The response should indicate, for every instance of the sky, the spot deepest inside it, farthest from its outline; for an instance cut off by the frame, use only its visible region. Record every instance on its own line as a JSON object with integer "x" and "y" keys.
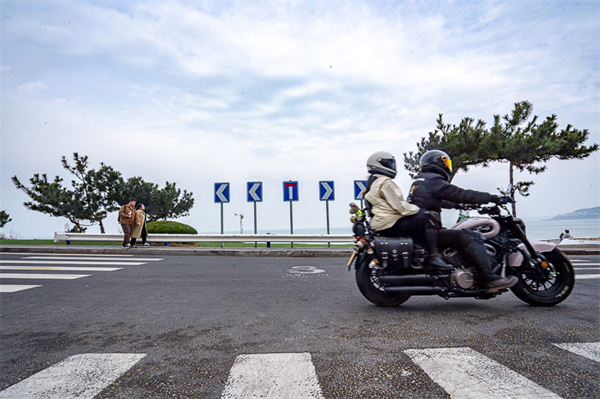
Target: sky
{"x": 200, "y": 92}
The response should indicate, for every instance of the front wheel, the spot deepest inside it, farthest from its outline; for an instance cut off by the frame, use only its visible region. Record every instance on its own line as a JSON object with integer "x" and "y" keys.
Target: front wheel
{"x": 545, "y": 286}
{"x": 368, "y": 283}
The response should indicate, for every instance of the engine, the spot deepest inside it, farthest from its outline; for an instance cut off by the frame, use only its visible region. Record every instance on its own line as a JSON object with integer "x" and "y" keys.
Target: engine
{"x": 463, "y": 278}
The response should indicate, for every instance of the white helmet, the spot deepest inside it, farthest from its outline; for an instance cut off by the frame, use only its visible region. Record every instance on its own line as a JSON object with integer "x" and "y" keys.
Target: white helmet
{"x": 382, "y": 162}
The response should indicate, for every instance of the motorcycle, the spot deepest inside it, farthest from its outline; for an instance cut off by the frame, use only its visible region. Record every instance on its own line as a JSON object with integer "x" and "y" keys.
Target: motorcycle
{"x": 389, "y": 270}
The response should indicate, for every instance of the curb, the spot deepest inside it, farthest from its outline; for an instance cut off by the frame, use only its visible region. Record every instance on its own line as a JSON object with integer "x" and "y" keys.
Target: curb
{"x": 249, "y": 252}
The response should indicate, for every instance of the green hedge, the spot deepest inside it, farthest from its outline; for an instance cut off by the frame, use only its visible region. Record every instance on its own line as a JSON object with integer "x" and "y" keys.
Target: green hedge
{"x": 167, "y": 227}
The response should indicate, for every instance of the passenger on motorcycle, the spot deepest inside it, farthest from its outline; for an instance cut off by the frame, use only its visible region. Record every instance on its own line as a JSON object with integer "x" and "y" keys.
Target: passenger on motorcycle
{"x": 392, "y": 216}
{"x": 432, "y": 191}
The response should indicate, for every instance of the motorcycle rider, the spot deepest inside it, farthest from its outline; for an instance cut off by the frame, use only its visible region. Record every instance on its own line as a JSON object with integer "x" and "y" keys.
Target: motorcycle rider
{"x": 432, "y": 191}
{"x": 392, "y": 216}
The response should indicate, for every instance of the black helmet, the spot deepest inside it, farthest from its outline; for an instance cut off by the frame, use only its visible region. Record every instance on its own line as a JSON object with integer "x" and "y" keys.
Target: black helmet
{"x": 383, "y": 163}
{"x": 436, "y": 161}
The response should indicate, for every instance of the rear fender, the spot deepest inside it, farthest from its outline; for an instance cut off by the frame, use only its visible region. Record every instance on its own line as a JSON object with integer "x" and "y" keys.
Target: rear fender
{"x": 516, "y": 258}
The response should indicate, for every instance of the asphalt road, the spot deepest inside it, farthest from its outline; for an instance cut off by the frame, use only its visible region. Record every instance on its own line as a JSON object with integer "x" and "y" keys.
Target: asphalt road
{"x": 192, "y": 317}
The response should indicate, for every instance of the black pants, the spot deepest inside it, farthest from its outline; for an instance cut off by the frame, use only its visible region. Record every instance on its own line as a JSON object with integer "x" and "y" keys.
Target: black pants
{"x": 410, "y": 226}
{"x": 470, "y": 244}
{"x": 144, "y": 235}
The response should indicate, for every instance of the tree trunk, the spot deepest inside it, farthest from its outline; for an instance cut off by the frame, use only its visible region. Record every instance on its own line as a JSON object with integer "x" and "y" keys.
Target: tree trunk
{"x": 101, "y": 226}
{"x": 512, "y": 189}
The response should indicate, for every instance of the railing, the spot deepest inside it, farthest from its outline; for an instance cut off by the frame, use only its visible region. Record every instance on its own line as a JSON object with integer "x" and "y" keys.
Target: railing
{"x": 167, "y": 238}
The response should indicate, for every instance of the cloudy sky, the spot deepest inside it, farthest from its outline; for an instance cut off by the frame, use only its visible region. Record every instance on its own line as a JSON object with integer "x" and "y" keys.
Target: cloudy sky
{"x": 199, "y": 92}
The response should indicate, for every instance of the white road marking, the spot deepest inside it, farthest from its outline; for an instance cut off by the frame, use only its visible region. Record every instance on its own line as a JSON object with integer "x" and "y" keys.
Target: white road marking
{"x": 7, "y": 288}
{"x": 591, "y": 350}
{"x": 43, "y": 276}
{"x": 63, "y": 254}
{"x": 586, "y": 276}
{"x": 63, "y": 268}
{"x": 588, "y": 264}
{"x": 52, "y": 262}
{"x": 79, "y": 376}
{"x": 478, "y": 375}
{"x": 586, "y": 268}
{"x": 87, "y": 258}
{"x": 273, "y": 376}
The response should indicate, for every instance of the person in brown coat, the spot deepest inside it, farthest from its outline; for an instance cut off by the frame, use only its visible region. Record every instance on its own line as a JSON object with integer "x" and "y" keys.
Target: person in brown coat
{"x": 128, "y": 217}
{"x": 139, "y": 230}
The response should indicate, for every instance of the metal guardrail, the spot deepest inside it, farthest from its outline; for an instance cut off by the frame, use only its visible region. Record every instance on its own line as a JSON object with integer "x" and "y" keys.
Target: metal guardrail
{"x": 166, "y": 238}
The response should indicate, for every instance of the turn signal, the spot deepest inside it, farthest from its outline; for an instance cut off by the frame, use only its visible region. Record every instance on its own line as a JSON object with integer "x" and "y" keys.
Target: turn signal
{"x": 544, "y": 264}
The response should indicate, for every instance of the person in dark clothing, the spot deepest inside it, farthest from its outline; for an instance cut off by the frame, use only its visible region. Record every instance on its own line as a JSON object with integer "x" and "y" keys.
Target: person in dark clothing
{"x": 432, "y": 191}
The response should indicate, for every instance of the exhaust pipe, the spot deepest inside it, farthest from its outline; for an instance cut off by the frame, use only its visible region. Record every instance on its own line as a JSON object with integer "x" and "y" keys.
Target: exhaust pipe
{"x": 416, "y": 290}
{"x": 411, "y": 280}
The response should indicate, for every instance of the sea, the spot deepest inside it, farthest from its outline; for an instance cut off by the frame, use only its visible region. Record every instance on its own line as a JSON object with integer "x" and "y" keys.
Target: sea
{"x": 537, "y": 229}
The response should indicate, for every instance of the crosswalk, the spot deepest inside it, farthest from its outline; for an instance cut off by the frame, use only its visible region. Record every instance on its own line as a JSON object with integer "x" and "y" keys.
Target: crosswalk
{"x": 293, "y": 375}
{"x": 59, "y": 267}
{"x": 585, "y": 270}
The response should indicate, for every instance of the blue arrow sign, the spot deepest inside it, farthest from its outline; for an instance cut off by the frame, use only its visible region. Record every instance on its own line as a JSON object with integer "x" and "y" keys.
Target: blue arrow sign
{"x": 359, "y": 189}
{"x": 290, "y": 191}
{"x": 254, "y": 191}
{"x": 221, "y": 192}
{"x": 326, "y": 192}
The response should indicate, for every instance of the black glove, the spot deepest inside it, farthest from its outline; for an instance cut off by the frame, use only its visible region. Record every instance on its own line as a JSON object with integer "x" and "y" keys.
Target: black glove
{"x": 501, "y": 200}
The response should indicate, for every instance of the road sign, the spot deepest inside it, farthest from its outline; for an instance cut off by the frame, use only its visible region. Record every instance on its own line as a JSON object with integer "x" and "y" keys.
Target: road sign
{"x": 359, "y": 189}
{"x": 221, "y": 192}
{"x": 326, "y": 192}
{"x": 290, "y": 191}
{"x": 254, "y": 191}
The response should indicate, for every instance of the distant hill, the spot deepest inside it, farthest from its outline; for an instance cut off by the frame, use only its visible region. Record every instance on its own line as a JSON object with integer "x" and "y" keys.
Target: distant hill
{"x": 588, "y": 213}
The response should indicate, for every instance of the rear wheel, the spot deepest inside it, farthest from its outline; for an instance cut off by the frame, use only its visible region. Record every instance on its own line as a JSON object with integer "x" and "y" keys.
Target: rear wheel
{"x": 368, "y": 283}
{"x": 545, "y": 286}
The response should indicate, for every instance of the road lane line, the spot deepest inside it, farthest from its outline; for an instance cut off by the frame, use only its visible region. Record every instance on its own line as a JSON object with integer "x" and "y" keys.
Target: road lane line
{"x": 63, "y": 254}
{"x": 586, "y": 276}
{"x": 479, "y": 376}
{"x": 88, "y": 258}
{"x": 63, "y": 268}
{"x": 591, "y": 350}
{"x": 52, "y": 262}
{"x": 78, "y": 376}
{"x": 586, "y": 268}
{"x": 42, "y": 276}
{"x": 587, "y": 264}
{"x": 273, "y": 376}
{"x": 8, "y": 288}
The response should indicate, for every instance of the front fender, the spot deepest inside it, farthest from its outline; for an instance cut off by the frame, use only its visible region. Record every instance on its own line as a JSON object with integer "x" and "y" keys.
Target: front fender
{"x": 516, "y": 258}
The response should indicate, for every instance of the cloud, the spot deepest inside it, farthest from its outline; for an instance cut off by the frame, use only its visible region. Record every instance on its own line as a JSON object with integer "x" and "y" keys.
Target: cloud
{"x": 32, "y": 87}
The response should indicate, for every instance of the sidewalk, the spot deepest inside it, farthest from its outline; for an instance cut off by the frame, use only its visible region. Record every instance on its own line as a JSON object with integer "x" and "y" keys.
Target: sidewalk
{"x": 588, "y": 249}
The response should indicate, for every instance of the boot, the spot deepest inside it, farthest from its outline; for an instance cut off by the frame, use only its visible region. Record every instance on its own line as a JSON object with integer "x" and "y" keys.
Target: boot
{"x": 500, "y": 283}
{"x": 435, "y": 260}
{"x": 491, "y": 280}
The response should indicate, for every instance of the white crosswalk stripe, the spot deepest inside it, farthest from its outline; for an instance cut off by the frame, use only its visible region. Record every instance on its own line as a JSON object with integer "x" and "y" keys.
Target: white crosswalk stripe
{"x": 591, "y": 350}
{"x": 69, "y": 263}
{"x": 42, "y": 276}
{"x": 79, "y": 376}
{"x": 273, "y": 376}
{"x": 480, "y": 376}
{"x": 9, "y": 288}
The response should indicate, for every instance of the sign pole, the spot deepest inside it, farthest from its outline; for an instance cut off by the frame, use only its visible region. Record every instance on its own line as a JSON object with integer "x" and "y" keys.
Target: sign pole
{"x": 327, "y": 210}
{"x": 291, "y": 221}
{"x": 222, "y": 225}
{"x": 255, "y": 229}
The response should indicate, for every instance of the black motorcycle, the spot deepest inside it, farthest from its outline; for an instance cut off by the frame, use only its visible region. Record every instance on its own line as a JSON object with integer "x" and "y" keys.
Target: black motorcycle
{"x": 389, "y": 270}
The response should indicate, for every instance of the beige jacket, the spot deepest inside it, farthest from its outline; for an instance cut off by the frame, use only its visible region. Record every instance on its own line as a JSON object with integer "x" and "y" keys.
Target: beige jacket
{"x": 388, "y": 203}
{"x": 137, "y": 228}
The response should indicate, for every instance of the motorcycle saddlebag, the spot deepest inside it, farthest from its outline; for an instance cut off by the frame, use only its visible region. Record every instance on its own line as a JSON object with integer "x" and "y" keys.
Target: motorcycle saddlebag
{"x": 393, "y": 252}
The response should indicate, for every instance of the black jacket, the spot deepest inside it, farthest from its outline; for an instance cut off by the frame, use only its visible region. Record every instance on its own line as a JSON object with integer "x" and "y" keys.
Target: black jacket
{"x": 431, "y": 192}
